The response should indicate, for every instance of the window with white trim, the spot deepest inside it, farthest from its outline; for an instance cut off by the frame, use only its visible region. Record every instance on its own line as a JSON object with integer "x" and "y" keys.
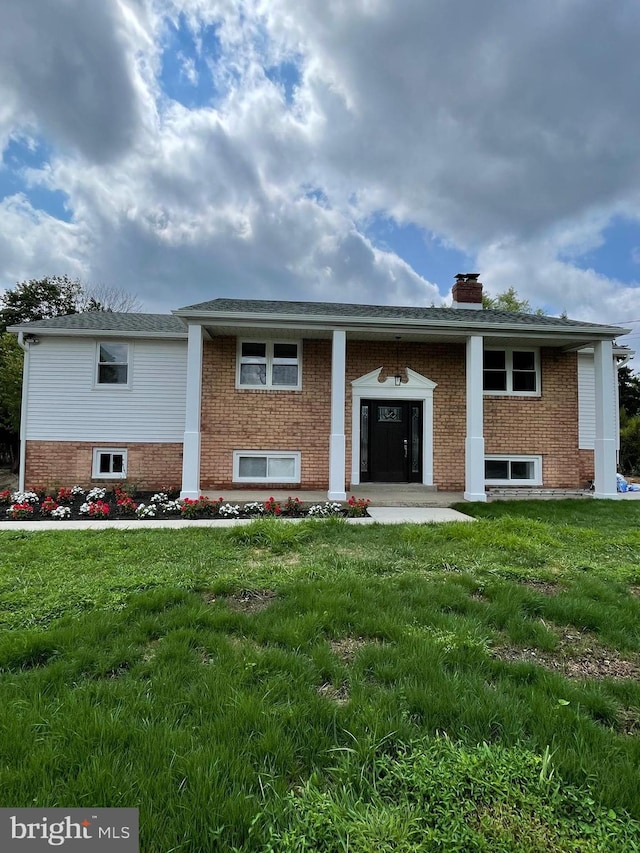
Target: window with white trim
{"x": 511, "y": 371}
{"x": 513, "y": 470}
{"x": 269, "y": 364}
{"x": 260, "y": 466}
{"x": 109, "y": 463}
{"x": 113, "y": 363}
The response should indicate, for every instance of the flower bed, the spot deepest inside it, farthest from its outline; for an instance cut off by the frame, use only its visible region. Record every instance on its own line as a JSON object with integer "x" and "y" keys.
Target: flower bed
{"x": 102, "y": 503}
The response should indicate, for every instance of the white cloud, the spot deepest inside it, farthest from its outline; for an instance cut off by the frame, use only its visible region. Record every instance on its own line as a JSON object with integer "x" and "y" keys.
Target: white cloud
{"x": 507, "y": 130}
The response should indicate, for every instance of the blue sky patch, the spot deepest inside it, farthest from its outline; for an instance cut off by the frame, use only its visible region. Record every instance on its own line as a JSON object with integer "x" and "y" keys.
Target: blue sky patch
{"x": 19, "y": 156}
{"x": 619, "y": 255}
{"x": 186, "y": 74}
{"x": 428, "y": 256}
{"x": 287, "y": 76}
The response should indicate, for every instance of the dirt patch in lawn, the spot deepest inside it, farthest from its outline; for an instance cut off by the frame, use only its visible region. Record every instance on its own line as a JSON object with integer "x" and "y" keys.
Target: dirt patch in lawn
{"x": 340, "y": 695}
{"x": 542, "y": 586}
{"x": 250, "y": 600}
{"x": 579, "y": 655}
{"x": 346, "y": 648}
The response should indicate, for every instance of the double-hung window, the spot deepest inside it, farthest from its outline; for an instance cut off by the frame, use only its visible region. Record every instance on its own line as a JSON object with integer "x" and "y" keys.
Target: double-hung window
{"x": 269, "y": 364}
{"x": 511, "y": 371}
{"x": 113, "y": 364}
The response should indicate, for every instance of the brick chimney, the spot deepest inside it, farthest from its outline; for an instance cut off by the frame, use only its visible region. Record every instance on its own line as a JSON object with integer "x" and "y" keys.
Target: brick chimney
{"x": 467, "y": 291}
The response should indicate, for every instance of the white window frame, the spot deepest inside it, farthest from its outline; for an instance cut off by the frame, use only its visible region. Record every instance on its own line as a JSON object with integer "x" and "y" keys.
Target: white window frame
{"x": 268, "y": 454}
{"x": 508, "y": 360}
{"x": 96, "y": 474}
{"x": 97, "y": 383}
{"x": 536, "y": 480}
{"x": 270, "y": 361}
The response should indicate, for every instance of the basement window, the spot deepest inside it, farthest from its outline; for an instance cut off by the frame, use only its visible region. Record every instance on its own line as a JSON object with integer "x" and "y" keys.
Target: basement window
{"x": 109, "y": 463}
{"x": 513, "y": 470}
{"x": 259, "y": 466}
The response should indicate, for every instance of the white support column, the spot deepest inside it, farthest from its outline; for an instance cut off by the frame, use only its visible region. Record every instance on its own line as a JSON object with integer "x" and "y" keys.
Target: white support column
{"x": 474, "y": 443}
{"x": 605, "y": 441}
{"x": 337, "y": 445}
{"x": 24, "y": 413}
{"x": 191, "y": 445}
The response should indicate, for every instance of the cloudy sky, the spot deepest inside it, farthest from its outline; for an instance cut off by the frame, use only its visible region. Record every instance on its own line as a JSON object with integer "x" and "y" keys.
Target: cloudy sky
{"x": 352, "y": 150}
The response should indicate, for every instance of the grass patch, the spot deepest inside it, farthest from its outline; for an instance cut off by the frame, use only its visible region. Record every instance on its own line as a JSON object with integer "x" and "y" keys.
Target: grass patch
{"x": 438, "y": 795}
{"x": 242, "y": 686}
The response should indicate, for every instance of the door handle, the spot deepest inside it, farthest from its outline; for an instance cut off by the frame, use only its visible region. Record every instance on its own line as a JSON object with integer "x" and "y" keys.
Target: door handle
{"x": 406, "y": 448}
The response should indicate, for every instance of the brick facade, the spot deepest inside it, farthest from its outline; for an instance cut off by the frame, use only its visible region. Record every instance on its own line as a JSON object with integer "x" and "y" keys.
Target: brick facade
{"x": 587, "y": 466}
{"x": 234, "y": 419}
{"x": 250, "y": 419}
{"x": 69, "y": 463}
{"x": 545, "y": 425}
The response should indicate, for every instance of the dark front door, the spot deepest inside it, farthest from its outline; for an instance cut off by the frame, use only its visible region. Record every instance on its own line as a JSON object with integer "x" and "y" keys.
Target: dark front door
{"x": 390, "y": 441}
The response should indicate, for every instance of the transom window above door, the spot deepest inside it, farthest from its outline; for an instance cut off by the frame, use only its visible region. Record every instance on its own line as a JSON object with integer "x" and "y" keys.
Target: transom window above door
{"x": 269, "y": 365}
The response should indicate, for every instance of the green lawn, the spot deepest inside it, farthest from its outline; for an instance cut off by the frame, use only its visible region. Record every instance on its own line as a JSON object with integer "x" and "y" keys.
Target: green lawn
{"x": 328, "y": 687}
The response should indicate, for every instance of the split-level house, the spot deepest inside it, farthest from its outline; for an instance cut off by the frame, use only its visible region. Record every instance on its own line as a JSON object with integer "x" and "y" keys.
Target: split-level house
{"x": 242, "y": 393}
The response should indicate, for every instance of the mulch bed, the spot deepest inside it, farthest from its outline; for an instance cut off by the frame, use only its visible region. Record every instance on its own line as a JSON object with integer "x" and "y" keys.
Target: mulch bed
{"x": 112, "y": 507}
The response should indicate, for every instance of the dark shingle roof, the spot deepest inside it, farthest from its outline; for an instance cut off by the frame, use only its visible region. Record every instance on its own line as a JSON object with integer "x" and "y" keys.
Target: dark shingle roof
{"x": 172, "y": 325}
{"x": 382, "y": 312}
{"x": 109, "y": 321}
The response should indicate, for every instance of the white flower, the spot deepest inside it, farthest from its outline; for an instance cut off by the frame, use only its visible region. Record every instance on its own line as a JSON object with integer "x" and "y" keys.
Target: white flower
{"x": 24, "y": 498}
{"x": 254, "y": 508}
{"x": 60, "y": 512}
{"x": 160, "y": 498}
{"x": 170, "y": 506}
{"x": 84, "y": 509}
{"x": 145, "y": 511}
{"x": 229, "y": 511}
{"x": 77, "y": 490}
{"x": 324, "y": 510}
{"x": 96, "y": 494}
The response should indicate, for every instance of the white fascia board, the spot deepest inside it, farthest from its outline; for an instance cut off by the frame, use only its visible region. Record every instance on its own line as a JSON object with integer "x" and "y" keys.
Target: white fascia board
{"x": 97, "y": 333}
{"x": 329, "y": 322}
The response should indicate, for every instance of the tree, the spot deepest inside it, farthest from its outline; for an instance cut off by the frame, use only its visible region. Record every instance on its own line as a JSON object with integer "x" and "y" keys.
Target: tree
{"x": 38, "y": 299}
{"x": 58, "y": 295}
{"x": 509, "y": 301}
{"x": 629, "y": 391}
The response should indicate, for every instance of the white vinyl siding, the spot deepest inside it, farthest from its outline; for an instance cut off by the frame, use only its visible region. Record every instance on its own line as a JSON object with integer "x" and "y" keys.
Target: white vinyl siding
{"x": 64, "y": 403}
{"x": 587, "y": 403}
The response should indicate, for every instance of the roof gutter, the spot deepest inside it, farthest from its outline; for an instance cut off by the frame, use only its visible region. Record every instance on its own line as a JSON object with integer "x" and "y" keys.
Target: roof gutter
{"x": 92, "y": 333}
{"x": 350, "y": 323}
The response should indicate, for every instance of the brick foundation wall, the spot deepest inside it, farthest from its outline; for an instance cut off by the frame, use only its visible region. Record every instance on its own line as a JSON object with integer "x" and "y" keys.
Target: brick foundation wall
{"x": 587, "y": 466}
{"x": 68, "y": 463}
